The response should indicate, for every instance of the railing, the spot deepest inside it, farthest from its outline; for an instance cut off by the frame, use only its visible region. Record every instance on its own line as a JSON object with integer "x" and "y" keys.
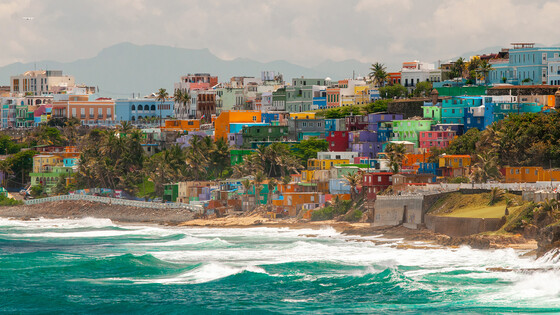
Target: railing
{"x": 115, "y": 201}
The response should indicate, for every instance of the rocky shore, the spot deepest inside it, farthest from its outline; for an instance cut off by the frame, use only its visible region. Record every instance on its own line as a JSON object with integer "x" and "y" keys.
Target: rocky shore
{"x": 181, "y": 217}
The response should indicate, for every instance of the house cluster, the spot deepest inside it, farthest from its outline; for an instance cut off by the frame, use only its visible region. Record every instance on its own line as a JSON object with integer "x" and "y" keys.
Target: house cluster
{"x": 250, "y": 112}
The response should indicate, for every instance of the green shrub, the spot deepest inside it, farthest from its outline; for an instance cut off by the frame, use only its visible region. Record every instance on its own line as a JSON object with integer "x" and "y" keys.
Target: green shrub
{"x": 353, "y": 216}
{"x": 5, "y": 201}
{"x": 322, "y": 214}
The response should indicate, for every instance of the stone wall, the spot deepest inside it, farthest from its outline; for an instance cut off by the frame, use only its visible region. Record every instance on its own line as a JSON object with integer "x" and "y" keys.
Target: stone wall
{"x": 390, "y": 210}
{"x": 454, "y": 226}
{"x": 409, "y": 108}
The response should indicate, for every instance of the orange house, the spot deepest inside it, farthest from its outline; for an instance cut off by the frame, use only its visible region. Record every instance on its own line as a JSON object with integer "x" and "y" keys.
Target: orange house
{"x": 222, "y": 123}
{"x": 182, "y": 125}
{"x": 530, "y": 174}
{"x": 294, "y": 201}
{"x": 411, "y": 160}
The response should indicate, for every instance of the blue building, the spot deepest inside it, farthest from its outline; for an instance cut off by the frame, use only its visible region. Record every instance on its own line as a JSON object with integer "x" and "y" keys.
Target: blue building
{"x": 135, "y": 109}
{"x": 502, "y": 110}
{"x": 526, "y": 64}
{"x": 453, "y": 109}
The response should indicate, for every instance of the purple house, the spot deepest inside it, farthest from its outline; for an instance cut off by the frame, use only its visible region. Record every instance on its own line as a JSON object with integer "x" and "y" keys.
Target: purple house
{"x": 184, "y": 140}
{"x": 376, "y": 118}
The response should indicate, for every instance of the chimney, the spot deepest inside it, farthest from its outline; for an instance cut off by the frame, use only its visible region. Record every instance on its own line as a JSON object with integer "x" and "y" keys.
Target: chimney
{"x": 434, "y": 96}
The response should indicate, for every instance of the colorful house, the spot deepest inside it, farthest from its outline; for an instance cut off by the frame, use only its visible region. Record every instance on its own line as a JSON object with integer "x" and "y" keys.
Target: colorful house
{"x": 409, "y": 130}
{"x": 226, "y": 118}
{"x": 454, "y": 165}
{"x": 437, "y": 139}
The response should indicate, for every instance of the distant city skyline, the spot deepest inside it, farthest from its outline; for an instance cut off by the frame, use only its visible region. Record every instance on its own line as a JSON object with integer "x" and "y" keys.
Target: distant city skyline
{"x": 302, "y": 32}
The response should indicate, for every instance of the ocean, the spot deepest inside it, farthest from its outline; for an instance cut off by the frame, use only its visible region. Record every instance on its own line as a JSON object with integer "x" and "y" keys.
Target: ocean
{"x": 97, "y": 266}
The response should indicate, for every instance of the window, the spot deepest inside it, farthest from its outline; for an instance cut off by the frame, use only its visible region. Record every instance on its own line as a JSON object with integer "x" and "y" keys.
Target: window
{"x": 91, "y": 113}
{"x": 527, "y": 171}
{"x": 517, "y": 171}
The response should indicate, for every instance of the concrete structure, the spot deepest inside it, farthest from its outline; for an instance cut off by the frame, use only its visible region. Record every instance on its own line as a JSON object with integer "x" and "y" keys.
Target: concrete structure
{"x": 89, "y": 112}
{"x": 415, "y": 72}
{"x": 41, "y": 82}
{"x": 299, "y": 96}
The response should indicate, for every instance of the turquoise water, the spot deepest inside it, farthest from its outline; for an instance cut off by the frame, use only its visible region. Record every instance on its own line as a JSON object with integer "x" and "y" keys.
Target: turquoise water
{"x": 96, "y": 266}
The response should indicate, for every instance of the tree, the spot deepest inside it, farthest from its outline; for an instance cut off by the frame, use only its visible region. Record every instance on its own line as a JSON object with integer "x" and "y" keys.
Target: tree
{"x": 423, "y": 89}
{"x": 272, "y": 183}
{"x": 71, "y": 130}
{"x": 21, "y": 164}
{"x": 308, "y": 149}
{"x": 395, "y": 153}
{"x": 161, "y": 96}
{"x": 378, "y": 106}
{"x": 6, "y": 169}
{"x": 486, "y": 168}
{"x": 484, "y": 69}
{"x": 465, "y": 144}
{"x": 378, "y": 74}
{"x": 354, "y": 180}
{"x": 458, "y": 68}
{"x": 526, "y": 80}
{"x": 394, "y": 91}
{"x": 257, "y": 183}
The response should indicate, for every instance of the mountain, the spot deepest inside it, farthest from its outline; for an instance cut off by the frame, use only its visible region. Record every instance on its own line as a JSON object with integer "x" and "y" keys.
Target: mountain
{"x": 125, "y": 68}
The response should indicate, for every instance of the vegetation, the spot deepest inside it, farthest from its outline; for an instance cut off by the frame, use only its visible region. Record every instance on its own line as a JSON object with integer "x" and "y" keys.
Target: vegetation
{"x": 8, "y": 202}
{"x": 378, "y": 74}
{"x": 393, "y": 91}
{"x": 341, "y": 112}
{"x": 396, "y": 154}
{"x": 307, "y": 149}
{"x": 476, "y": 206}
{"x": 423, "y": 89}
{"x": 379, "y": 106}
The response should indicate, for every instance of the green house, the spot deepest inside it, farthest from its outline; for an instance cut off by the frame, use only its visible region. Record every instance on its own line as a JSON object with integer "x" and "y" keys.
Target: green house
{"x": 432, "y": 112}
{"x": 263, "y": 133}
{"x": 170, "y": 192}
{"x": 409, "y": 129}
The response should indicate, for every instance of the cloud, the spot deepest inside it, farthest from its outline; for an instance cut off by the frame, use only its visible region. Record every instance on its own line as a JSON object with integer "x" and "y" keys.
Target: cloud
{"x": 301, "y": 31}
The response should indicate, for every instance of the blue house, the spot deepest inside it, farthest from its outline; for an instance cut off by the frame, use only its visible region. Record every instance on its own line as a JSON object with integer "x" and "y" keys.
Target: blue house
{"x": 525, "y": 63}
{"x": 135, "y": 109}
{"x": 453, "y": 109}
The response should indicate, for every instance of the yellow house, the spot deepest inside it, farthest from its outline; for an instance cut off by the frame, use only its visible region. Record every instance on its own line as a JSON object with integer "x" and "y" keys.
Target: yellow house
{"x": 316, "y": 164}
{"x": 361, "y": 93}
{"x": 304, "y": 115}
{"x": 43, "y": 163}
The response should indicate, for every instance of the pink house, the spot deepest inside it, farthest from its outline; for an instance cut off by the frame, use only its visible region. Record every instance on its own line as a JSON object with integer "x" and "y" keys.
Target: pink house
{"x": 439, "y": 139}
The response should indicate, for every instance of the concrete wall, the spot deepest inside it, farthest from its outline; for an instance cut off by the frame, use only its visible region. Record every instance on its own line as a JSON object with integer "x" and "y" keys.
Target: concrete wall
{"x": 454, "y": 226}
{"x": 389, "y": 210}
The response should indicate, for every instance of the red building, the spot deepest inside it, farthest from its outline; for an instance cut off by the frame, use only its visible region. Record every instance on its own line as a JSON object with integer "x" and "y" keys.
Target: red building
{"x": 354, "y": 123}
{"x": 374, "y": 183}
{"x": 439, "y": 139}
{"x": 205, "y": 104}
{"x": 394, "y": 78}
{"x": 338, "y": 141}
{"x": 333, "y": 97}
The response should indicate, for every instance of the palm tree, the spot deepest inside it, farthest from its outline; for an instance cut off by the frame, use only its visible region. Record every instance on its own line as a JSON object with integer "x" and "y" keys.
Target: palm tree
{"x": 6, "y": 169}
{"x": 486, "y": 168}
{"x": 354, "y": 180}
{"x": 178, "y": 99}
{"x": 378, "y": 73}
{"x": 396, "y": 154}
{"x": 161, "y": 96}
{"x": 184, "y": 101}
{"x": 459, "y": 67}
{"x": 71, "y": 130}
{"x": 257, "y": 183}
{"x": 496, "y": 194}
{"x": 246, "y": 183}
{"x": 484, "y": 69}
{"x": 272, "y": 183}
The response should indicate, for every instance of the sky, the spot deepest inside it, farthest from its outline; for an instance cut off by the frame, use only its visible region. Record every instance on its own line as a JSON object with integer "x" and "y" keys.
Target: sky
{"x": 305, "y": 32}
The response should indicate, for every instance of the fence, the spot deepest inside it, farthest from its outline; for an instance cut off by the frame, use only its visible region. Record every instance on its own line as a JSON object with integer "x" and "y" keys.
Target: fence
{"x": 115, "y": 201}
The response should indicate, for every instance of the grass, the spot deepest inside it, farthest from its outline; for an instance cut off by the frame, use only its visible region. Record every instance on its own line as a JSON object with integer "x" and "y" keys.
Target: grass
{"x": 150, "y": 188}
{"x": 472, "y": 206}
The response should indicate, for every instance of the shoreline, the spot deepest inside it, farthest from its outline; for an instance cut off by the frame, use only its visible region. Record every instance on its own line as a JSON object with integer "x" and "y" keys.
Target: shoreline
{"x": 184, "y": 218}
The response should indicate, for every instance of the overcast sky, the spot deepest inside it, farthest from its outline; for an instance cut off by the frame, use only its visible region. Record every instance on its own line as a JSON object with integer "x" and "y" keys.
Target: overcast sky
{"x": 301, "y": 31}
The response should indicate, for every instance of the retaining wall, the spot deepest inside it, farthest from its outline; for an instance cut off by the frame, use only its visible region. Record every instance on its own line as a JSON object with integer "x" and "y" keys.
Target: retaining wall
{"x": 454, "y": 226}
